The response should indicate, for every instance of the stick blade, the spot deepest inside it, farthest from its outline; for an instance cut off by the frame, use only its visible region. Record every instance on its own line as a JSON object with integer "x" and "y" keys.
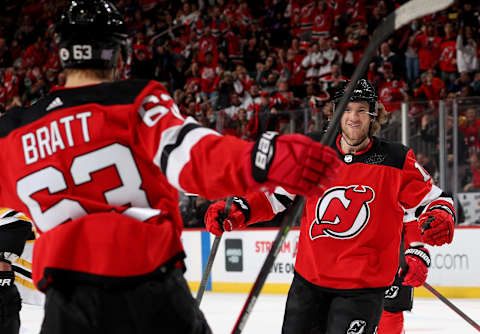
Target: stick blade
{"x": 418, "y": 8}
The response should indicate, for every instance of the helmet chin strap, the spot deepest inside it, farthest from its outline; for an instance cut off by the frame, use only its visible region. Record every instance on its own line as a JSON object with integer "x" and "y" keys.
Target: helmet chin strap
{"x": 353, "y": 145}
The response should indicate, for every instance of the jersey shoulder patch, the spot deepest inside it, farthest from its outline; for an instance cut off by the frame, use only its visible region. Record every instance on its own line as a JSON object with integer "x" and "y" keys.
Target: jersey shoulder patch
{"x": 386, "y": 153}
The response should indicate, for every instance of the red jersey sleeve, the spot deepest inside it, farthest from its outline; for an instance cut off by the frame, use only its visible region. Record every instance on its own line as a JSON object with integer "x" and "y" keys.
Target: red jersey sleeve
{"x": 193, "y": 158}
{"x": 417, "y": 189}
{"x": 264, "y": 206}
{"x": 416, "y": 183}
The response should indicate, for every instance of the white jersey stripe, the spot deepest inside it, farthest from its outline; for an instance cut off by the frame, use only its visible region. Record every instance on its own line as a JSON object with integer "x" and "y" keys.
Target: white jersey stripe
{"x": 433, "y": 194}
{"x": 180, "y": 155}
{"x": 276, "y": 205}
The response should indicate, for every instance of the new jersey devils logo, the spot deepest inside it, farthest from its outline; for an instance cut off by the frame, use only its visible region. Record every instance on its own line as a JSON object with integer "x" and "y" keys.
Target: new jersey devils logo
{"x": 320, "y": 20}
{"x": 342, "y": 212}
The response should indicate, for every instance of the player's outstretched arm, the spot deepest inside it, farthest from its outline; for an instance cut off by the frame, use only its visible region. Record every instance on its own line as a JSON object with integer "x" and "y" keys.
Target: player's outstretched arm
{"x": 294, "y": 162}
{"x": 199, "y": 160}
{"x": 252, "y": 208}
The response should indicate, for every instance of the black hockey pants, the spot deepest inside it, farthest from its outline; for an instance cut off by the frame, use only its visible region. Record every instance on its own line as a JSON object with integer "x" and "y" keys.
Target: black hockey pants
{"x": 314, "y": 310}
{"x": 10, "y": 305}
{"x": 157, "y": 306}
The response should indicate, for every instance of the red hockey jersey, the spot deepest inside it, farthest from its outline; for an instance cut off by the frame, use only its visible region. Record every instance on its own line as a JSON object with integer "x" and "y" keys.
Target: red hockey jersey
{"x": 98, "y": 168}
{"x": 350, "y": 237}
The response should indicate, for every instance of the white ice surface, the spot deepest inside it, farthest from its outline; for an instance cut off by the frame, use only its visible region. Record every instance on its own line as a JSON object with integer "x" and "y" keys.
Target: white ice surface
{"x": 429, "y": 316}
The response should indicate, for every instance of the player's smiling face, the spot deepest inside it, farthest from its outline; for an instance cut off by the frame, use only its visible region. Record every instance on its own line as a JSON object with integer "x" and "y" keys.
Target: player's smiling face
{"x": 356, "y": 122}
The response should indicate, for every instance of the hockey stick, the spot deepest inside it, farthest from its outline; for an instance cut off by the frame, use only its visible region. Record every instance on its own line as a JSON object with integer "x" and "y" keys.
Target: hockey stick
{"x": 435, "y": 292}
{"x": 211, "y": 256}
{"x": 451, "y": 306}
{"x": 292, "y": 215}
{"x": 394, "y": 21}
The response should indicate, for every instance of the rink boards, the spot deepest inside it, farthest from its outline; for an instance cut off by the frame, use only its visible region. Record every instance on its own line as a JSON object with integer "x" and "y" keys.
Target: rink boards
{"x": 455, "y": 269}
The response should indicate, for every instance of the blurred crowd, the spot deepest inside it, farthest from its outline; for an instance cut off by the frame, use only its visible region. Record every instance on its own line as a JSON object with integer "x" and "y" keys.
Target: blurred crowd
{"x": 247, "y": 66}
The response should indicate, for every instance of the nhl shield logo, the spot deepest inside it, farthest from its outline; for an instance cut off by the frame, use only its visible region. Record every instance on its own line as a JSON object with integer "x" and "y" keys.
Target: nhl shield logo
{"x": 357, "y": 327}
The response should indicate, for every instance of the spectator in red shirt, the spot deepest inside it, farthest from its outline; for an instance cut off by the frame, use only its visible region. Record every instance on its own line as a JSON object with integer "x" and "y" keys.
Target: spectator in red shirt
{"x": 53, "y": 60}
{"x": 35, "y": 54}
{"x": 448, "y": 58}
{"x": 411, "y": 53}
{"x": 264, "y": 118}
{"x": 432, "y": 87}
{"x": 251, "y": 99}
{"x": 428, "y": 45}
{"x": 353, "y": 49}
{"x": 209, "y": 80}
{"x": 322, "y": 20}
{"x": 392, "y": 91}
{"x": 194, "y": 81}
{"x": 11, "y": 84}
{"x": 307, "y": 12}
{"x": 207, "y": 44}
{"x": 356, "y": 13}
{"x": 471, "y": 130}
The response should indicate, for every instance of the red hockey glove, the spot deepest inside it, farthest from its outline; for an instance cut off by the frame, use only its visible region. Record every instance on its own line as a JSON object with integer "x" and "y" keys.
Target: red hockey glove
{"x": 295, "y": 162}
{"x": 217, "y": 222}
{"x": 437, "y": 227}
{"x": 418, "y": 261}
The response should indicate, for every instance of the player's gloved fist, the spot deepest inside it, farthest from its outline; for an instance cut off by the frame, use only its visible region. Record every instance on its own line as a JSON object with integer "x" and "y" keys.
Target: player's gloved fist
{"x": 437, "y": 227}
{"x": 217, "y": 221}
{"x": 418, "y": 261}
{"x": 294, "y": 162}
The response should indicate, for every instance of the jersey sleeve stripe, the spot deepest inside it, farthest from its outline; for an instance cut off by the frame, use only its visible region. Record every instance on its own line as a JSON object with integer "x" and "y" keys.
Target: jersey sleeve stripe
{"x": 280, "y": 199}
{"x": 179, "y": 137}
{"x": 434, "y": 194}
{"x": 177, "y": 143}
{"x": 276, "y": 205}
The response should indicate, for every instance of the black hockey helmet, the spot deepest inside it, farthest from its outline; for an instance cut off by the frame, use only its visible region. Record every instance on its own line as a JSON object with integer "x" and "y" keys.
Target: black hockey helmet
{"x": 363, "y": 91}
{"x": 91, "y": 34}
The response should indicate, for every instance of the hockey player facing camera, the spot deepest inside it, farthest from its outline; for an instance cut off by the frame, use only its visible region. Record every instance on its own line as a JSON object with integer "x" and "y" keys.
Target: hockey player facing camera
{"x": 350, "y": 236}
{"x": 98, "y": 166}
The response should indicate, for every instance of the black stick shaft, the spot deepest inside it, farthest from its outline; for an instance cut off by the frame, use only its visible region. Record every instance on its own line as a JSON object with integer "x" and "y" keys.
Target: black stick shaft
{"x": 211, "y": 257}
{"x": 451, "y": 306}
{"x": 292, "y": 215}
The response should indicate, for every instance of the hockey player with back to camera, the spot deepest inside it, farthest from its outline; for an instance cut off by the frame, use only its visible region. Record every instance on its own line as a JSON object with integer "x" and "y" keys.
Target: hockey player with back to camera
{"x": 350, "y": 236}
{"x": 98, "y": 165}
